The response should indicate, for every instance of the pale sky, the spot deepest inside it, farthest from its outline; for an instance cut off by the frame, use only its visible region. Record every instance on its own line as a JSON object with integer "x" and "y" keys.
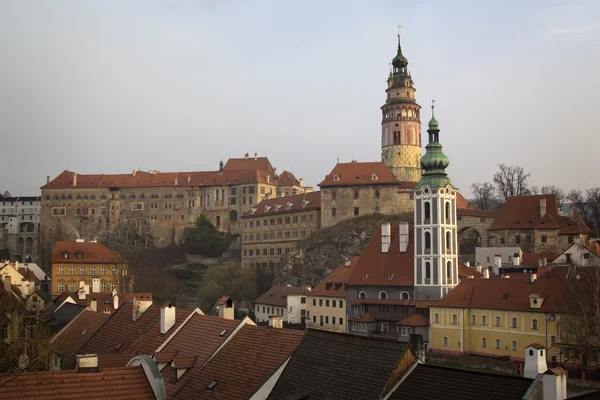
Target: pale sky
{"x": 112, "y": 86}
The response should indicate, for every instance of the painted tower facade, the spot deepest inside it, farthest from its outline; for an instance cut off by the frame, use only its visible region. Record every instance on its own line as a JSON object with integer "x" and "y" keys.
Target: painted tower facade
{"x": 436, "y": 244}
{"x": 401, "y": 124}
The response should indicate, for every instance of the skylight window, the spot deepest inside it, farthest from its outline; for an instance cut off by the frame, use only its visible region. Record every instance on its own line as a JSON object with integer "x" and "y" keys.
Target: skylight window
{"x": 223, "y": 332}
{"x": 212, "y": 385}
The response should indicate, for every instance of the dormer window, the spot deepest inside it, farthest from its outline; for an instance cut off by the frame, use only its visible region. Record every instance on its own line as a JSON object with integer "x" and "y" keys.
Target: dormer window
{"x": 267, "y": 208}
{"x": 288, "y": 206}
{"x": 336, "y": 177}
{"x": 374, "y": 176}
{"x": 536, "y": 300}
{"x": 277, "y": 207}
{"x": 66, "y": 255}
{"x": 79, "y": 254}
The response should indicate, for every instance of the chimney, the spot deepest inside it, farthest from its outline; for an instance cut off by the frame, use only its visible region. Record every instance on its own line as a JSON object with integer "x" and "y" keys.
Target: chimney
{"x": 86, "y": 363}
{"x": 478, "y": 267}
{"x": 167, "y": 317}
{"x": 533, "y": 277}
{"x": 79, "y": 240}
{"x": 347, "y": 263}
{"x": 516, "y": 259}
{"x": 115, "y": 299}
{"x": 189, "y": 179}
{"x": 140, "y": 305}
{"x": 301, "y": 182}
{"x": 535, "y": 361}
{"x": 134, "y": 172}
{"x": 93, "y": 304}
{"x": 74, "y": 179}
{"x": 467, "y": 263}
{"x": 7, "y": 283}
{"x": 246, "y": 156}
{"x": 554, "y": 383}
{"x": 385, "y": 237}
{"x": 403, "y": 236}
{"x": 47, "y": 179}
{"x": 176, "y": 180}
{"x": 86, "y": 288}
{"x": 486, "y": 273}
{"x": 81, "y": 294}
{"x": 275, "y": 322}
{"x": 95, "y": 285}
{"x": 226, "y": 308}
{"x": 255, "y": 156}
{"x": 542, "y": 207}
{"x": 497, "y": 264}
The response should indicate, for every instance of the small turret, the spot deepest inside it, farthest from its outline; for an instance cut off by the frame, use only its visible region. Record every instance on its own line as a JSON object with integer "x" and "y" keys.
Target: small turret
{"x": 221, "y": 165}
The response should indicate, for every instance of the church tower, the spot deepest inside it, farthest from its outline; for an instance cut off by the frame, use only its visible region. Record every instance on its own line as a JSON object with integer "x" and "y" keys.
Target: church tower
{"x": 401, "y": 124}
{"x": 436, "y": 244}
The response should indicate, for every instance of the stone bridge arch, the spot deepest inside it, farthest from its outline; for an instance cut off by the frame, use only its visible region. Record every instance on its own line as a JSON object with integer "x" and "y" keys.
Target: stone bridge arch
{"x": 473, "y": 226}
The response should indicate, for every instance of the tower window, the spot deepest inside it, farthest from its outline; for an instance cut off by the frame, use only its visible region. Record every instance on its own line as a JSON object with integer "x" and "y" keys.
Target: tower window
{"x": 447, "y": 212}
{"x": 427, "y": 211}
{"x": 449, "y": 241}
{"x": 449, "y": 271}
{"x": 427, "y": 240}
{"x": 427, "y": 271}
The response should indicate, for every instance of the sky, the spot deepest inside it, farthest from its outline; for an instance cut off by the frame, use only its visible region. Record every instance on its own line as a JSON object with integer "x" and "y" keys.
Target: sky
{"x": 112, "y": 86}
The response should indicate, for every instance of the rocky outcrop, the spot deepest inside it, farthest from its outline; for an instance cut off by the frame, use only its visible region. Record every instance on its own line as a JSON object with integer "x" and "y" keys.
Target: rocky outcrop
{"x": 327, "y": 248}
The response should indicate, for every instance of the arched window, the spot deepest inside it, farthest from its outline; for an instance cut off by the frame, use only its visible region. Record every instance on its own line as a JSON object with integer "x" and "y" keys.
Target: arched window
{"x": 447, "y": 212}
{"x": 233, "y": 216}
{"x": 427, "y": 271}
{"x": 427, "y": 211}
{"x": 362, "y": 295}
{"x": 427, "y": 240}
{"x": 448, "y": 240}
{"x": 449, "y": 271}
{"x": 382, "y": 295}
{"x": 404, "y": 296}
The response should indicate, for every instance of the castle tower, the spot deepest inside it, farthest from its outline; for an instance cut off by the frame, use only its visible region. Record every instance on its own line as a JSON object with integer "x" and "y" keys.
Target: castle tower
{"x": 401, "y": 124}
{"x": 436, "y": 244}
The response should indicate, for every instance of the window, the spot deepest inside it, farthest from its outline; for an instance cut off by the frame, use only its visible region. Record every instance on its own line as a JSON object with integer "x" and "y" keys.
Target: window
{"x": 544, "y": 239}
{"x": 483, "y": 342}
{"x": 436, "y": 318}
{"x": 103, "y": 271}
{"x": 514, "y": 323}
{"x": 497, "y": 321}
{"x": 427, "y": 241}
{"x": 405, "y": 331}
{"x": 333, "y": 303}
{"x": 114, "y": 271}
{"x": 314, "y": 302}
{"x": 341, "y": 321}
{"x": 326, "y": 320}
{"x": 341, "y": 303}
{"x": 427, "y": 271}
{"x": 356, "y": 194}
{"x": 553, "y": 340}
{"x": 354, "y": 326}
{"x": 382, "y": 295}
{"x": 483, "y": 320}
{"x": 320, "y": 302}
{"x": 327, "y": 303}
{"x": 93, "y": 271}
{"x": 586, "y": 256}
{"x": 362, "y": 295}
{"x": 356, "y": 211}
{"x": 61, "y": 270}
{"x": 103, "y": 286}
{"x": 61, "y": 286}
{"x": 427, "y": 211}
{"x": 82, "y": 270}
{"x": 377, "y": 194}
{"x": 454, "y": 319}
{"x": 518, "y": 239}
{"x": 72, "y": 271}
{"x": 501, "y": 240}
{"x": 534, "y": 324}
{"x": 71, "y": 286}
{"x": 233, "y": 201}
{"x": 474, "y": 319}
{"x": 497, "y": 343}
{"x": 333, "y": 194}
{"x": 514, "y": 345}
{"x": 384, "y": 327}
{"x": 445, "y": 341}
{"x": 333, "y": 212}
{"x": 332, "y": 320}
{"x": 528, "y": 237}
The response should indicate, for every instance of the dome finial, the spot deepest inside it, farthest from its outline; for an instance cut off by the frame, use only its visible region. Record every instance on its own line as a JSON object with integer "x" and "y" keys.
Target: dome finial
{"x": 433, "y": 123}
{"x": 433, "y": 108}
{"x": 399, "y": 27}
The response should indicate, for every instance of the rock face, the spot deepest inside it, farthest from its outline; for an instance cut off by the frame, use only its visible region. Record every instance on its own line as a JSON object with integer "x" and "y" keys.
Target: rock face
{"x": 319, "y": 254}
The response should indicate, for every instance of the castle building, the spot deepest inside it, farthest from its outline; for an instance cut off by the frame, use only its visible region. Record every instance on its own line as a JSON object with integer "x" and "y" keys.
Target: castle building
{"x": 87, "y": 206}
{"x": 436, "y": 249}
{"x": 19, "y": 228}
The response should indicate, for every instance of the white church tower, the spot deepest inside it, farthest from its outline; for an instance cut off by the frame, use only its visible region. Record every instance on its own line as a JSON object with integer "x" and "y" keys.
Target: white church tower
{"x": 436, "y": 244}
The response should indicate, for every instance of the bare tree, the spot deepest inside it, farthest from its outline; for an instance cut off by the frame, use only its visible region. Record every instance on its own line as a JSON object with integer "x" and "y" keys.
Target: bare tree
{"x": 511, "y": 180}
{"x": 557, "y": 192}
{"x": 592, "y": 197}
{"x": 587, "y": 206}
{"x": 485, "y": 196}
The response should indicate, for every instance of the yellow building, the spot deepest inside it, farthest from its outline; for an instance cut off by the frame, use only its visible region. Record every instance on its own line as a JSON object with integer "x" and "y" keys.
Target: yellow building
{"x": 498, "y": 317}
{"x": 88, "y": 262}
{"x": 326, "y": 303}
{"x": 275, "y": 226}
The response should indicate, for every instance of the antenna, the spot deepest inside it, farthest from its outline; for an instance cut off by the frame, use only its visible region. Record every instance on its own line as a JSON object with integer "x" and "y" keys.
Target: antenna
{"x": 338, "y": 157}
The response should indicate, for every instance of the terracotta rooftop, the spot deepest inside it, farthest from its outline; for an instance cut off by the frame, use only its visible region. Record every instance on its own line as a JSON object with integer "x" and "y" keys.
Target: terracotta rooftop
{"x": 523, "y": 212}
{"x": 470, "y": 212}
{"x": 329, "y": 365}
{"x": 334, "y": 284}
{"x": 533, "y": 259}
{"x": 277, "y": 295}
{"x": 71, "y": 338}
{"x": 251, "y": 357}
{"x": 508, "y": 294}
{"x": 128, "y": 383}
{"x": 249, "y": 163}
{"x": 414, "y": 320}
{"x": 462, "y": 203}
{"x": 286, "y": 178}
{"x": 395, "y": 302}
{"x": 197, "y": 340}
{"x": 453, "y": 384}
{"x": 361, "y": 173}
{"x": 593, "y": 247}
{"x": 286, "y": 204}
{"x": 465, "y": 272}
{"x": 393, "y": 268}
{"x": 83, "y": 252}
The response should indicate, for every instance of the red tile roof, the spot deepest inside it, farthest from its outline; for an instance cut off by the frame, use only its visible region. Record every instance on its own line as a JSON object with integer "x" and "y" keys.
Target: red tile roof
{"x": 462, "y": 203}
{"x": 361, "y": 173}
{"x": 128, "y": 383}
{"x": 249, "y": 163}
{"x": 334, "y": 284}
{"x": 470, "y": 212}
{"x": 198, "y": 339}
{"x": 152, "y": 339}
{"x": 113, "y": 360}
{"x": 91, "y": 253}
{"x": 277, "y": 295}
{"x": 287, "y": 179}
{"x": 414, "y": 320}
{"x": 393, "y": 268}
{"x": 533, "y": 259}
{"x": 593, "y": 247}
{"x": 507, "y": 294}
{"x": 243, "y": 364}
{"x": 366, "y": 317}
{"x": 465, "y": 272}
{"x": 143, "y": 179}
{"x": 69, "y": 340}
{"x": 523, "y": 212}
{"x": 395, "y": 302}
{"x": 279, "y": 205}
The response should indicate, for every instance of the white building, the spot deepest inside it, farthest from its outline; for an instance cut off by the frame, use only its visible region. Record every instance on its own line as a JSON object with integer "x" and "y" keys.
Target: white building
{"x": 285, "y": 301}
{"x": 20, "y": 227}
{"x": 580, "y": 254}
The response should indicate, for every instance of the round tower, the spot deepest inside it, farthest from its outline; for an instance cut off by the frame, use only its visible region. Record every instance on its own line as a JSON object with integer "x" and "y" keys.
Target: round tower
{"x": 401, "y": 124}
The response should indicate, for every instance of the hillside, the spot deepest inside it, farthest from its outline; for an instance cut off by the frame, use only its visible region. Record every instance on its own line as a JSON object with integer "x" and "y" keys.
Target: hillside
{"x": 327, "y": 248}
